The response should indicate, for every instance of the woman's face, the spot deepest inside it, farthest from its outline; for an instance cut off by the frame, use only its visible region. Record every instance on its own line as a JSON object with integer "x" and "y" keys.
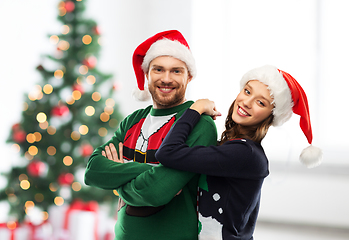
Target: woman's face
{"x": 253, "y": 104}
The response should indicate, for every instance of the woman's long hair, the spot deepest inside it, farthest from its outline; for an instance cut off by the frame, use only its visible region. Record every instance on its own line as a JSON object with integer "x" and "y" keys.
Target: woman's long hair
{"x": 255, "y": 133}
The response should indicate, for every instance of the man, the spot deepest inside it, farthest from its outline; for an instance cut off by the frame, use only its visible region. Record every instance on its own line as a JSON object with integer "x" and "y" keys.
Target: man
{"x": 157, "y": 202}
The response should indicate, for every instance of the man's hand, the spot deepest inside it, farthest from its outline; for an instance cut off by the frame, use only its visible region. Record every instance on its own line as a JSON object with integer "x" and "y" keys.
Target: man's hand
{"x": 111, "y": 153}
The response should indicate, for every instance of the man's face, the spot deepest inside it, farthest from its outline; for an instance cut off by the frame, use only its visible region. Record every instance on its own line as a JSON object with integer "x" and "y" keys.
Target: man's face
{"x": 168, "y": 78}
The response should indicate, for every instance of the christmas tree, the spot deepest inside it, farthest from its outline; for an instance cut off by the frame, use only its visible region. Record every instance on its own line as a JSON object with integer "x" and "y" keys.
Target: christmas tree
{"x": 67, "y": 116}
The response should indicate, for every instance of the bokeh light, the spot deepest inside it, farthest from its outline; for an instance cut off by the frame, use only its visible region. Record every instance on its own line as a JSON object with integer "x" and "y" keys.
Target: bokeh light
{"x": 65, "y": 29}
{"x": 63, "y": 45}
{"x": 51, "y": 150}
{"x": 76, "y": 95}
{"x": 83, "y": 69}
{"x": 110, "y": 102}
{"x": 83, "y": 129}
{"x": 75, "y": 135}
{"x": 51, "y": 130}
{"x": 59, "y": 201}
{"x": 58, "y": 74}
{"x": 25, "y": 184}
{"x": 54, "y": 39}
{"x": 96, "y": 96}
{"x": 43, "y": 125}
{"x": 104, "y": 117}
{"x": 89, "y": 110}
{"x": 102, "y": 132}
{"x": 33, "y": 150}
{"x": 48, "y": 89}
{"x": 87, "y": 39}
{"x": 41, "y": 117}
{"x": 76, "y": 186}
{"x": 91, "y": 79}
{"x": 67, "y": 160}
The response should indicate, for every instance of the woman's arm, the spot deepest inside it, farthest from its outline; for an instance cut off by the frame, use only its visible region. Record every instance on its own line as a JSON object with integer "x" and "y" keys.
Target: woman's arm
{"x": 233, "y": 159}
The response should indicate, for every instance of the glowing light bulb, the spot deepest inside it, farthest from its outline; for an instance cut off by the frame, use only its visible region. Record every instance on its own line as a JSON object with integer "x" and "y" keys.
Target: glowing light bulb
{"x": 89, "y": 110}
{"x": 102, "y": 132}
{"x": 33, "y": 150}
{"x": 25, "y": 184}
{"x": 59, "y": 201}
{"x": 54, "y": 39}
{"x": 43, "y": 125}
{"x": 76, "y": 186}
{"x": 83, "y": 129}
{"x": 11, "y": 225}
{"x": 48, "y": 89}
{"x": 104, "y": 117}
{"x": 51, "y": 130}
{"x": 30, "y": 138}
{"x": 58, "y": 74}
{"x": 76, "y": 95}
{"x": 65, "y": 29}
{"x": 29, "y": 204}
{"x": 87, "y": 39}
{"x": 75, "y": 135}
{"x": 22, "y": 177}
{"x": 63, "y": 45}
{"x": 41, "y": 117}
{"x": 96, "y": 96}
{"x": 53, "y": 187}
{"x": 83, "y": 69}
{"x": 38, "y": 136}
{"x": 67, "y": 160}
{"x": 16, "y": 148}
{"x": 51, "y": 150}
{"x": 91, "y": 79}
{"x": 108, "y": 110}
{"x": 110, "y": 102}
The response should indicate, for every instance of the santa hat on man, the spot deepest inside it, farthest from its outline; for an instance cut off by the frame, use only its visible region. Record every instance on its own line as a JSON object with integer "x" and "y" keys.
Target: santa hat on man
{"x": 167, "y": 43}
{"x": 288, "y": 96}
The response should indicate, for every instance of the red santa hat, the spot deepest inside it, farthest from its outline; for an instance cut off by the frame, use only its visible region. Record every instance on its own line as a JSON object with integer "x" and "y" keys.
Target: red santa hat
{"x": 288, "y": 96}
{"x": 167, "y": 43}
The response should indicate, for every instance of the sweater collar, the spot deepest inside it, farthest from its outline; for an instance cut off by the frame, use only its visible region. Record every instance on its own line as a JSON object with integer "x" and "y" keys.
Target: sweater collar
{"x": 168, "y": 111}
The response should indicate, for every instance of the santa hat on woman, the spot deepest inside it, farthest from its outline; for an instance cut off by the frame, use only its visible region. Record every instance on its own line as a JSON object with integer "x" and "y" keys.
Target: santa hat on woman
{"x": 167, "y": 43}
{"x": 288, "y": 96}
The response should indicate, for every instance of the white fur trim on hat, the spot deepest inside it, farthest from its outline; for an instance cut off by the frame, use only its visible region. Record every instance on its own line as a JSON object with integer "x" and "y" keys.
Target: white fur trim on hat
{"x": 166, "y": 47}
{"x": 141, "y": 95}
{"x": 311, "y": 156}
{"x": 279, "y": 91}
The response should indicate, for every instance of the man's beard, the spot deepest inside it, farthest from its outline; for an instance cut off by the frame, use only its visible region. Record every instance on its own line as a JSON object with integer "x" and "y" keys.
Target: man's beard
{"x": 167, "y": 102}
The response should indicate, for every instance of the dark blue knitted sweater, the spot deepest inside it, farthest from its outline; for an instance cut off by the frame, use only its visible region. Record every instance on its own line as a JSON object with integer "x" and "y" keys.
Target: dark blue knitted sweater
{"x": 230, "y": 196}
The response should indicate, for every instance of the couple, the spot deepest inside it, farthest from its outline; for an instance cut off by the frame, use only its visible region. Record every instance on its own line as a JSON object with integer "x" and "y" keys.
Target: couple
{"x": 161, "y": 154}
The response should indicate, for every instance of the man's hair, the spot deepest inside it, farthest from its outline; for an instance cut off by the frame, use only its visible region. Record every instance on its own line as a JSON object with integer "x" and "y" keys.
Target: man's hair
{"x": 255, "y": 133}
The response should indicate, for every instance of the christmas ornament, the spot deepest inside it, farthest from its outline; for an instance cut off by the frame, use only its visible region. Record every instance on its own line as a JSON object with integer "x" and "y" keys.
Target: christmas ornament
{"x": 96, "y": 30}
{"x": 36, "y": 168}
{"x": 69, "y": 6}
{"x": 90, "y": 62}
{"x": 86, "y": 150}
{"x": 60, "y": 111}
{"x": 19, "y": 136}
{"x": 65, "y": 179}
{"x": 78, "y": 87}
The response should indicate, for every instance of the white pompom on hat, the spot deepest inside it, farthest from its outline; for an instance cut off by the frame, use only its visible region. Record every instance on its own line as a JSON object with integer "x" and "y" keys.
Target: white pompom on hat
{"x": 288, "y": 96}
{"x": 167, "y": 43}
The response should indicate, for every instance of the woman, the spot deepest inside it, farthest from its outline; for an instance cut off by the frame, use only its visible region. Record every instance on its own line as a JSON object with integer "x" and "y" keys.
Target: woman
{"x": 230, "y": 195}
